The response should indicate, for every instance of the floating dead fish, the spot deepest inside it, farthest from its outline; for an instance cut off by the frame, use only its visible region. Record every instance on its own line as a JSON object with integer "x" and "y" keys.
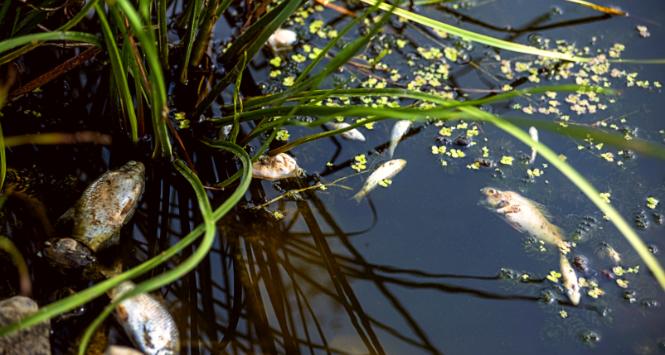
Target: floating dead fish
{"x": 282, "y": 40}
{"x": 569, "y": 280}
{"x": 525, "y": 215}
{"x": 280, "y": 166}
{"x": 608, "y": 251}
{"x": 399, "y": 129}
{"x": 385, "y": 171}
{"x": 147, "y": 322}
{"x": 352, "y": 134}
{"x": 533, "y": 132}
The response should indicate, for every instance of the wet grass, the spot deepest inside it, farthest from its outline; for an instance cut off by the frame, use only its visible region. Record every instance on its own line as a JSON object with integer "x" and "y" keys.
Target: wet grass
{"x": 136, "y": 43}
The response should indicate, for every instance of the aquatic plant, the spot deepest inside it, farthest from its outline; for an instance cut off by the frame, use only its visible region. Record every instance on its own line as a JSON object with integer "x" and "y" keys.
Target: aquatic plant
{"x": 135, "y": 41}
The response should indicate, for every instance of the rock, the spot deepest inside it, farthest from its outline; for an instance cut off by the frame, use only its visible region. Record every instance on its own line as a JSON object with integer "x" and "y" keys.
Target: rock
{"x": 31, "y": 341}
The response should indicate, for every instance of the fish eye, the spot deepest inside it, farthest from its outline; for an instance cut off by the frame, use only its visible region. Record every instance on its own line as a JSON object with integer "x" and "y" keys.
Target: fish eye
{"x": 491, "y": 191}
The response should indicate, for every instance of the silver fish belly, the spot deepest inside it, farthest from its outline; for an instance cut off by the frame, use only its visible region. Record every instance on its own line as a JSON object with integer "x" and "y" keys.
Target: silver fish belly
{"x": 399, "y": 129}
{"x": 147, "y": 322}
{"x": 385, "y": 171}
{"x": 280, "y": 166}
{"x": 352, "y": 134}
{"x": 569, "y": 280}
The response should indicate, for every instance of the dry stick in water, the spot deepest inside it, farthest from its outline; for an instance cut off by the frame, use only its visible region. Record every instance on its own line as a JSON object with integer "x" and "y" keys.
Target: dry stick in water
{"x": 59, "y": 138}
{"x": 55, "y": 72}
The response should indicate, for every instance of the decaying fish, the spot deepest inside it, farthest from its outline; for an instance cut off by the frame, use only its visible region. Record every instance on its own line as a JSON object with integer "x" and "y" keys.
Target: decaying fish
{"x": 385, "y": 171}
{"x": 533, "y": 132}
{"x": 352, "y": 134}
{"x": 525, "y": 215}
{"x": 608, "y": 251}
{"x": 399, "y": 129}
{"x": 282, "y": 40}
{"x": 107, "y": 205}
{"x": 148, "y": 323}
{"x": 569, "y": 280}
{"x": 280, "y": 166}
{"x": 97, "y": 217}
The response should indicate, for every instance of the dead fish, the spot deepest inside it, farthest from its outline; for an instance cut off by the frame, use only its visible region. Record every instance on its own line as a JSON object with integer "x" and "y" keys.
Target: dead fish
{"x": 106, "y": 205}
{"x": 385, "y": 171}
{"x": 280, "y": 166}
{"x": 608, "y": 251}
{"x": 569, "y": 280}
{"x": 525, "y": 215}
{"x": 533, "y": 132}
{"x": 399, "y": 129}
{"x": 147, "y": 322}
{"x": 282, "y": 40}
{"x": 352, "y": 134}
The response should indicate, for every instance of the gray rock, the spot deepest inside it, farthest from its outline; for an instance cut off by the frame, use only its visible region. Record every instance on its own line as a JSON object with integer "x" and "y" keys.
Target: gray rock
{"x": 34, "y": 340}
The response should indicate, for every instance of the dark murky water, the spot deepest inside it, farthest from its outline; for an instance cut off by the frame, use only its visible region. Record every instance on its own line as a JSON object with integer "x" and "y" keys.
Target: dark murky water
{"x": 417, "y": 268}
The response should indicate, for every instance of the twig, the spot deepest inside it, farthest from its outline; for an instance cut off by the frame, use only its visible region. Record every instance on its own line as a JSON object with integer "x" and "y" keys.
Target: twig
{"x": 55, "y": 72}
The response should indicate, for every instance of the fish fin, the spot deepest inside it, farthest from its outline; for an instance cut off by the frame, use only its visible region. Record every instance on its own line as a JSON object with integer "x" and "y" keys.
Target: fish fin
{"x": 359, "y": 196}
{"x": 391, "y": 150}
{"x": 540, "y": 207}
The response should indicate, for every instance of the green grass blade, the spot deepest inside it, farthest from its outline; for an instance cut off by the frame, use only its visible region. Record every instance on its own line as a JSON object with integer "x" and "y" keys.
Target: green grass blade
{"x": 158, "y": 93}
{"x": 250, "y": 42}
{"x": 162, "y": 30}
{"x": 3, "y": 160}
{"x": 118, "y": 70}
{"x": 46, "y": 37}
{"x": 476, "y": 37}
{"x": 69, "y": 24}
{"x": 192, "y": 29}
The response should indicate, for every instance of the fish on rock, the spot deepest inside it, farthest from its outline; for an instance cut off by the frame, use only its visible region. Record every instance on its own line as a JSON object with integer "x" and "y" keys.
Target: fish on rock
{"x": 147, "y": 322}
{"x": 399, "y": 129}
{"x": 273, "y": 168}
{"x": 569, "y": 280}
{"x": 385, "y": 171}
{"x": 525, "y": 215}
{"x": 352, "y": 134}
{"x": 533, "y": 132}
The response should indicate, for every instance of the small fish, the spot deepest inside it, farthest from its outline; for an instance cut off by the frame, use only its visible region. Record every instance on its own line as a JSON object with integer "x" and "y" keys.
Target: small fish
{"x": 352, "y": 134}
{"x": 533, "y": 132}
{"x": 280, "y": 166}
{"x": 147, "y": 322}
{"x": 608, "y": 251}
{"x": 399, "y": 129}
{"x": 282, "y": 40}
{"x": 569, "y": 280}
{"x": 385, "y": 171}
{"x": 525, "y": 215}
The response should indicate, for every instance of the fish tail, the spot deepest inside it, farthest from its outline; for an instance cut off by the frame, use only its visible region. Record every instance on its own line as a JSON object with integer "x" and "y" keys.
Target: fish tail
{"x": 359, "y": 196}
{"x": 391, "y": 150}
{"x": 564, "y": 247}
